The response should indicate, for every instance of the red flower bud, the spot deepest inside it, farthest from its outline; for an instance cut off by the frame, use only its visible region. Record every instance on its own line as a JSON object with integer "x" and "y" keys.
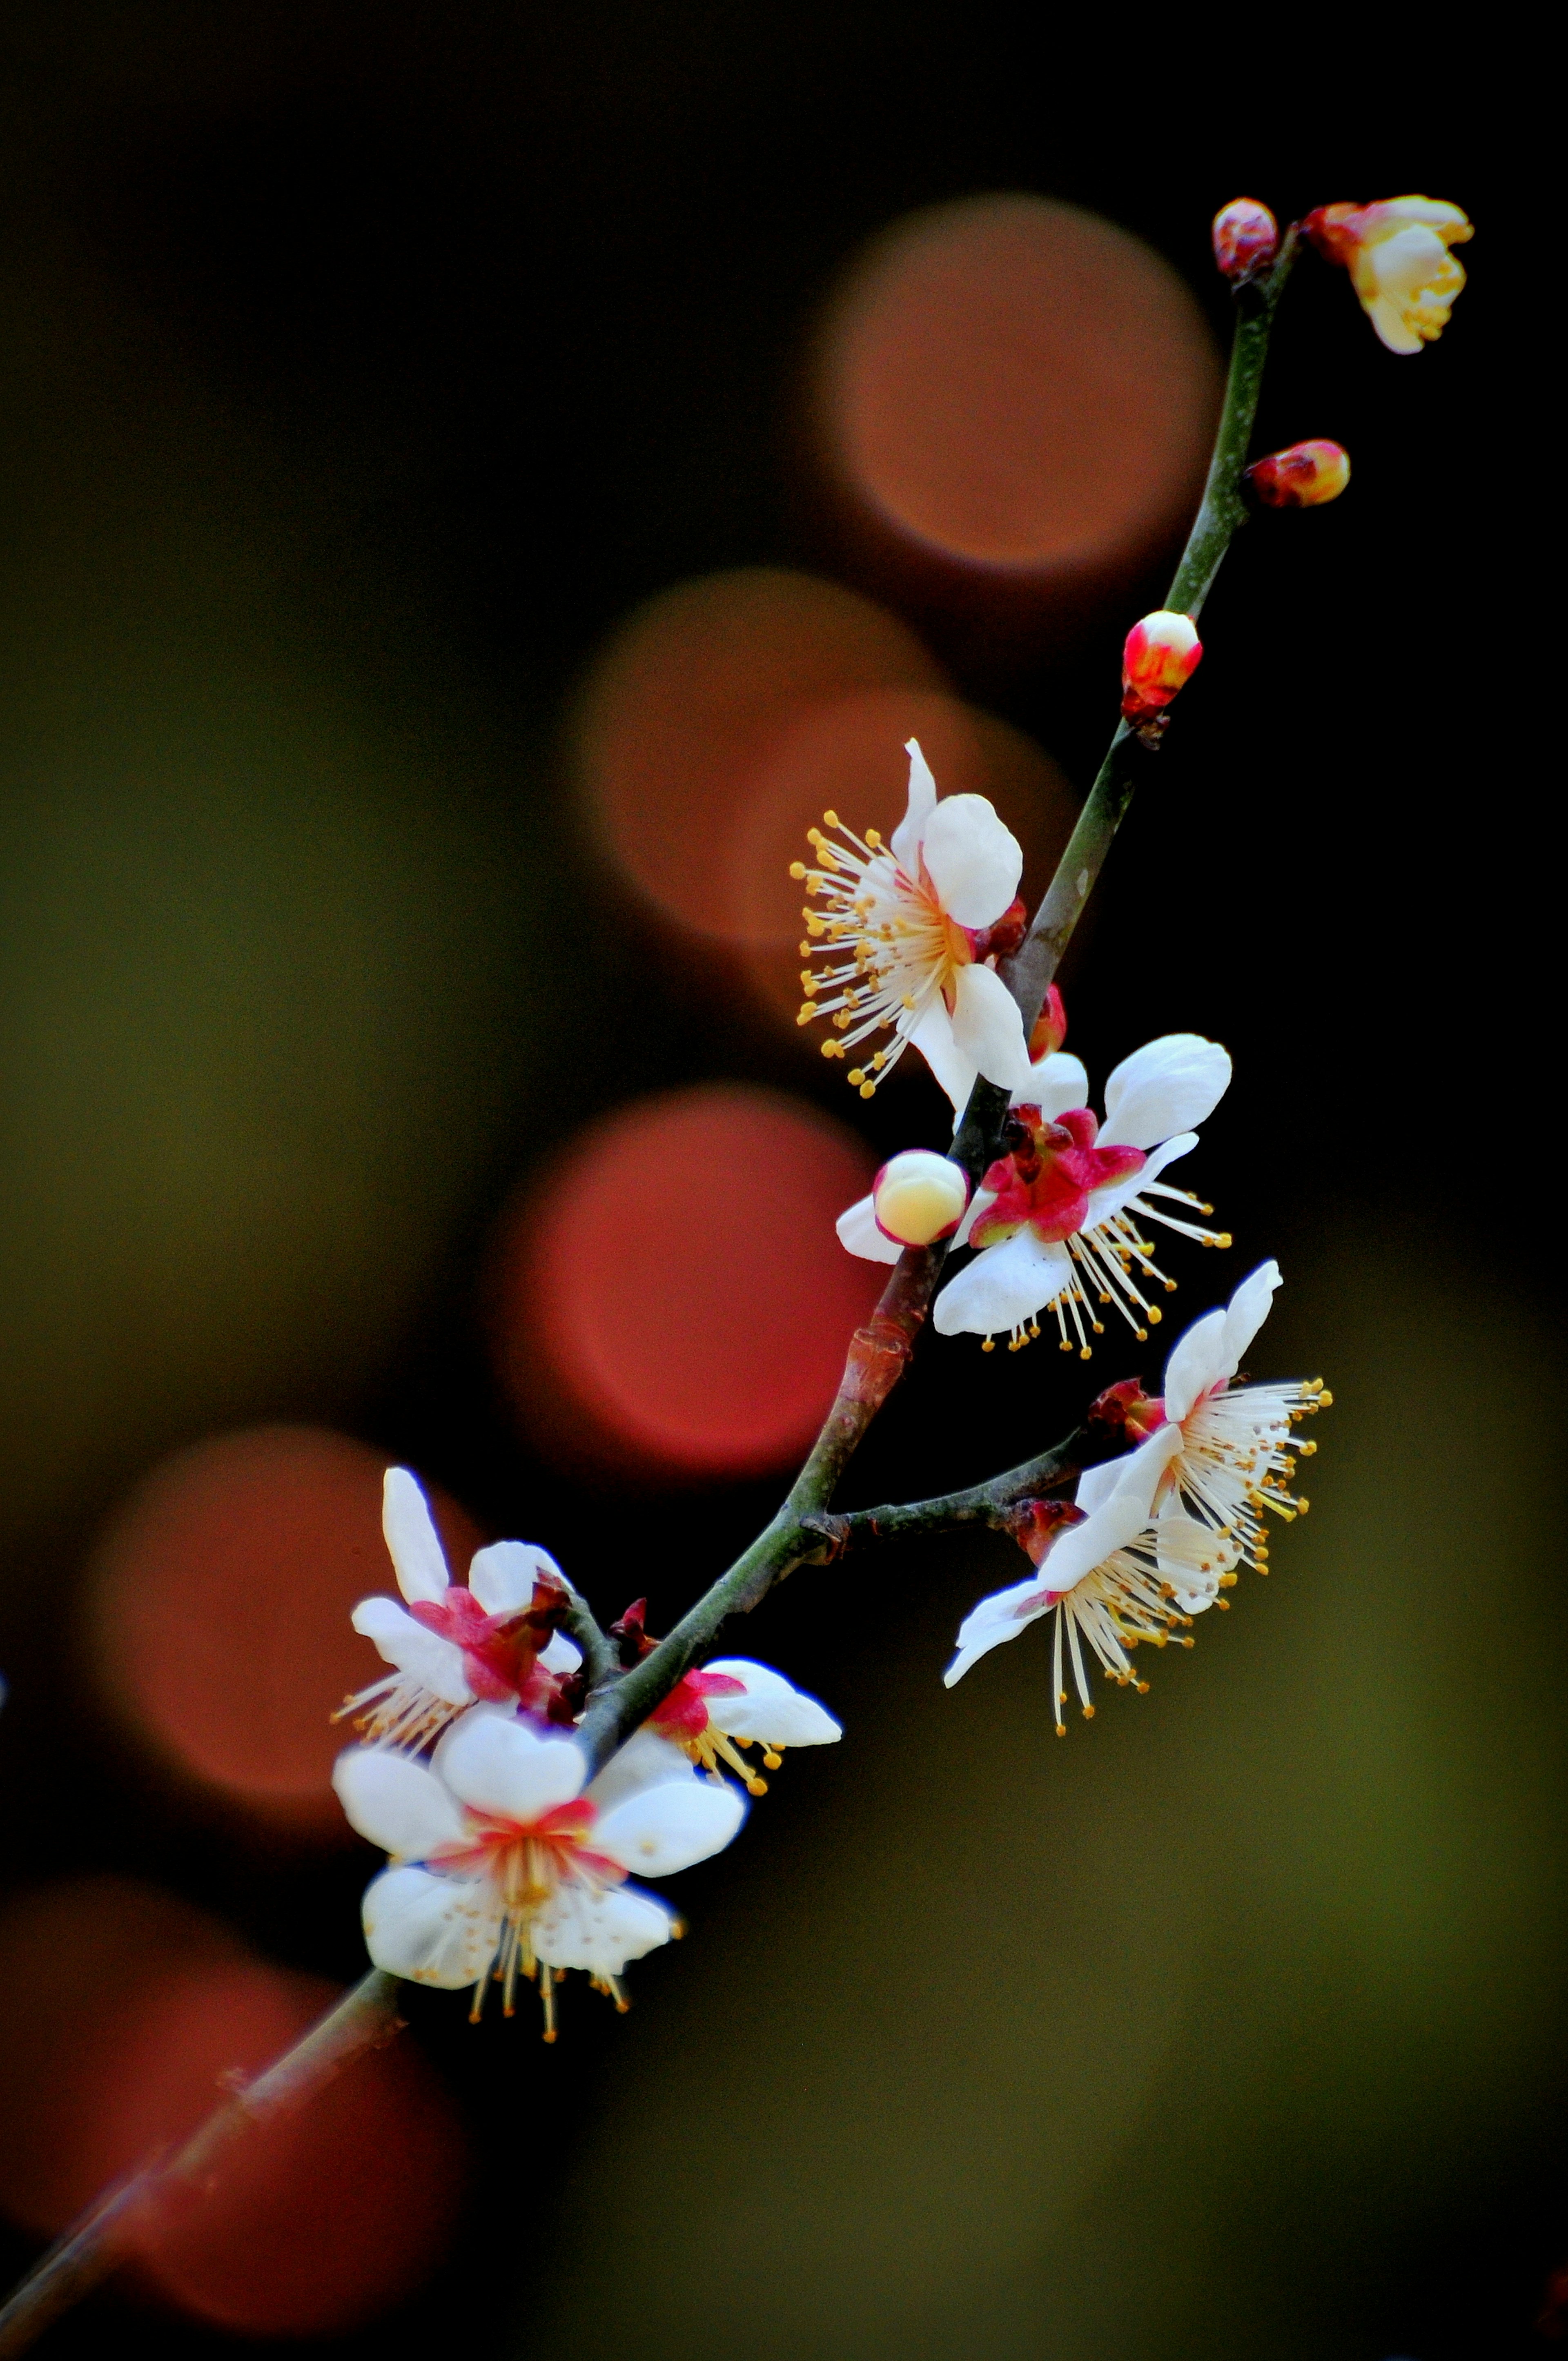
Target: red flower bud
{"x": 1162, "y": 654}
{"x": 1034, "y": 1524}
{"x": 1246, "y": 238}
{"x": 1302, "y": 478}
{"x": 1049, "y": 1029}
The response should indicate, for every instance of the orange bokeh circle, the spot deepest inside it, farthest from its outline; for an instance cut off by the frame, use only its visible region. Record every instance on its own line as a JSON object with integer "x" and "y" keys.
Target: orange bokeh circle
{"x": 685, "y": 705}
{"x": 672, "y": 1298}
{"x": 1018, "y": 385}
{"x": 220, "y": 1598}
{"x": 125, "y": 2012}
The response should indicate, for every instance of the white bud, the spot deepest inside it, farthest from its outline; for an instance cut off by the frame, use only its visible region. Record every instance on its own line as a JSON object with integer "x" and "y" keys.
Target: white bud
{"x": 920, "y": 1197}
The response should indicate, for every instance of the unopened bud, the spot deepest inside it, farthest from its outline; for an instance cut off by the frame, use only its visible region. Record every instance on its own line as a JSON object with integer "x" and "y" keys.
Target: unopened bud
{"x": 1125, "y": 1411}
{"x": 1161, "y": 655}
{"x": 1302, "y": 478}
{"x": 920, "y": 1197}
{"x": 1050, "y": 1027}
{"x": 1246, "y": 238}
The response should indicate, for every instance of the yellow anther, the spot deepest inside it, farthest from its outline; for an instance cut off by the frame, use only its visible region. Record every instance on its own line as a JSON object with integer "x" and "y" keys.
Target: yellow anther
{"x": 841, "y": 1022}
{"x": 806, "y": 1014}
{"x": 857, "y": 1075}
{"x": 1156, "y": 1316}
{"x": 989, "y": 1345}
{"x": 878, "y": 1061}
{"x": 829, "y": 1048}
{"x": 1085, "y": 1353}
{"x": 868, "y": 1090}
{"x": 808, "y": 978}
{"x": 797, "y": 870}
{"x": 873, "y": 839}
{"x": 829, "y": 819}
{"x": 1089, "y": 1713}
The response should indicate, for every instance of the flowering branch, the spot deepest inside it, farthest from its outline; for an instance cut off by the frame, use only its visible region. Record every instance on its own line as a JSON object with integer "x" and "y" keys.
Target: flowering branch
{"x": 507, "y": 1852}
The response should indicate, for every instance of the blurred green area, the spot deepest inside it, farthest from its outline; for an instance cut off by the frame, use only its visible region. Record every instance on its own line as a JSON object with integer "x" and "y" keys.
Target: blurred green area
{"x": 265, "y": 997}
{"x": 1157, "y": 2040}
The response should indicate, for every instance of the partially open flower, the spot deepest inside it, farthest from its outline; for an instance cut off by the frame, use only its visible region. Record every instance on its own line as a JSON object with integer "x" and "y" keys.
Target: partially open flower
{"x": 497, "y": 1638}
{"x": 1302, "y": 478}
{"x": 1117, "y": 1574}
{"x": 712, "y": 1714}
{"x": 1060, "y": 1220}
{"x": 1246, "y": 238}
{"x": 1161, "y": 655}
{"x": 910, "y": 930}
{"x": 1397, "y": 253}
{"x": 501, "y": 1865}
{"x": 920, "y": 1196}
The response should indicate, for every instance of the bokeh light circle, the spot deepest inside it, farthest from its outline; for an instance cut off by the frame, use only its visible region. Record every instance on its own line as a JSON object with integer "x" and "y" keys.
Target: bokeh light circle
{"x": 220, "y": 1598}
{"x": 672, "y": 1299}
{"x": 685, "y": 704}
{"x": 124, "y": 2015}
{"x": 1018, "y": 384}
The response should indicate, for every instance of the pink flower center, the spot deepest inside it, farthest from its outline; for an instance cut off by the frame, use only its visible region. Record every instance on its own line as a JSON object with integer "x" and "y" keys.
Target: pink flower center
{"x": 1047, "y": 1181}
{"x": 498, "y": 1649}
{"x": 527, "y": 1860}
{"x": 684, "y": 1714}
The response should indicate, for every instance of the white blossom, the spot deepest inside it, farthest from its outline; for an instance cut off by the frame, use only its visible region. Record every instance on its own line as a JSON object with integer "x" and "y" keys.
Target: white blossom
{"x": 904, "y": 931}
{"x": 504, "y": 1859}
{"x": 453, "y": 1643}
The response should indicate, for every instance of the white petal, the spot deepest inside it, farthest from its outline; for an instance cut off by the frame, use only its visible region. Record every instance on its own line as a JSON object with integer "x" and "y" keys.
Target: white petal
{"x": 1096, "y": 1485}
{"x": 904, "y": 842}
{"x": 1168, "y": 1085}
{"x": 772, "y": 1710}
{"x": 411, "y": 1538}
{"x": 932, "y": 1034}
{"x": 1407, "y": 262}
{"x": 562, "y": 1655}
{"x": 424, "y": 1655}
{"x": 1054, "y": 1084}
{"x": 988, "y": 1026}
{"x": 1001, "y": 1617}
{"x": 1002, "y": 1288}
{"x": 502, "y": 1577}
{"x": 434, "y": 1930}
{"x": 400, "y": 1805}
{"x": 668, "y": 1828}
{"x": 498, "y": 1765}
{"x": 859, "y": 1234}
{"x": 1104, "y": 1203}
{"x": 1250, "y": 1307}
{"x": 1388, "y": 317}
{"x": 1196, "y": 1361}
{"x": 645, "y": 1761}
{"x": 1116, "y": 1521}
{"x": 974, "y": 859}
{"x": 599, "y": 1931}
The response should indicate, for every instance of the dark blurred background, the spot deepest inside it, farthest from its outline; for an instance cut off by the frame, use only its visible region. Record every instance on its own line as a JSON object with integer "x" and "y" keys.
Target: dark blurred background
{"x": 473, "y": 483}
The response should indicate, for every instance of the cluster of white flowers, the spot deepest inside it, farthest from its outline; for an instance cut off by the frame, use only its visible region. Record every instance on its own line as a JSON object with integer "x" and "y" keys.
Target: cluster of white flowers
{"x": 1058, "y": 1227}
{"x": 505, "y": 1858}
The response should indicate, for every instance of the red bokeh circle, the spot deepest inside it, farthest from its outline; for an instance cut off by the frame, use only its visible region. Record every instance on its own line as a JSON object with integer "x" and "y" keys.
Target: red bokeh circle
{"x": 125, "y": 2014}
{"x": 673, "y": 1298}
{"x": 683, "y": 710}
{"x": 1018, "y": 385}
{"x": 221, "y": 1594}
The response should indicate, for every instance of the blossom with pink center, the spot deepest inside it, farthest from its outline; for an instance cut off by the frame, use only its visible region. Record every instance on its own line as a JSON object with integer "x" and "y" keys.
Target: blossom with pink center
{"x": 1060, "y": 1219}
{"x": 1236, "y": 1454}
{"x": 909, "y": 932}
{"x": 714, "y": 1712}
{"x": 733, "y": 1703}
{"x": 494, "y": 1638}
{"x": 1397, "y": 255}
{"x": 504, "y": 1861}
{"x": 1117, "y": 1574}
